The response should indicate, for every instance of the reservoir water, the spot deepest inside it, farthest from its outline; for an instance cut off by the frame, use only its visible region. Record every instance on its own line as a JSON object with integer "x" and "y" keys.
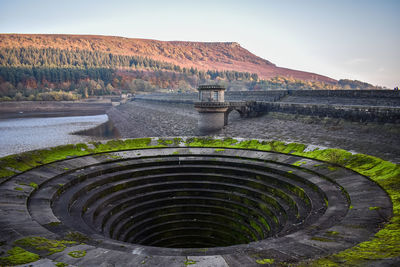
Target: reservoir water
{"x": 23, "y": 134}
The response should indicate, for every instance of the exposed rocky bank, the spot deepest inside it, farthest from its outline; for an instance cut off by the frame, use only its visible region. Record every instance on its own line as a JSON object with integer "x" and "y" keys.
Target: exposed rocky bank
{"x": 142, "y": 119}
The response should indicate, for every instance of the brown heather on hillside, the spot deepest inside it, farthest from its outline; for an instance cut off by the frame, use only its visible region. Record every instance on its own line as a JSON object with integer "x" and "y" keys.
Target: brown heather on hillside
{"x": 201, "y": 55}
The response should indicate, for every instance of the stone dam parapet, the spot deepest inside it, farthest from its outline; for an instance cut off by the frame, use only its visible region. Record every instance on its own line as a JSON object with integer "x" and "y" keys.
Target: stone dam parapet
{"x": 354, "y": 105}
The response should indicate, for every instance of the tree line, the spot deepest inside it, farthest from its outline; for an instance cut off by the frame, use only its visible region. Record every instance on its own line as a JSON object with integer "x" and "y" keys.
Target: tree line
{"x": 84, "y": 59}
{"x": 53, "y": 73}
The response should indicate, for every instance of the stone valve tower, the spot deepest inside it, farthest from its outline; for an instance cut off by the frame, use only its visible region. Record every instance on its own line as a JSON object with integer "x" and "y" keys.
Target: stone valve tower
{"x": 212, "y": 108}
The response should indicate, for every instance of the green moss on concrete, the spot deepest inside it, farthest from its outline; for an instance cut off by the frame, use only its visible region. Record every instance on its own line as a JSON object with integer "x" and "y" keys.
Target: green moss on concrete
{"x": 265, "y": 261}
{"x": 18, "y": 256}
{"x": 219, "y": 149}
{"x": 76, "y": 236}
{"x": 14, "y": 164}
{"x": 119, "y": 187}
{"x": 332, "y": 233}
{"x": 34, "y": 185}
{"x": 27, "y": 160}
{"x": 257, "y": 228}
{"x": 385, "y": 244}
{"x": 374, "y": 208}
{"x": 18, "y": 188}
{"x": 189, "y": 262}
{"x": 61, "y": 264}
{"x": 116, "y": 145}
{"x": 210, "y": 142}
{"x": 41, "y": 244}
{"x": 299, "y": 163}
{"x": 53, "y": 224}
{"x": 77, "y": 253}
{"x": 165, "y": 142}
{"x": 177, "y": 141}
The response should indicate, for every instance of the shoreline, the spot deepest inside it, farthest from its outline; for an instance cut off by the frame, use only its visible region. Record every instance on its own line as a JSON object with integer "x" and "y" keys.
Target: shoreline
{"x": 35, "y": 109}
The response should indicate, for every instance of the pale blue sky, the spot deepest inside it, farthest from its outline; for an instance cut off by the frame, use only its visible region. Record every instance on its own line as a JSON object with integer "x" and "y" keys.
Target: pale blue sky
{"x": 355, "y": 39}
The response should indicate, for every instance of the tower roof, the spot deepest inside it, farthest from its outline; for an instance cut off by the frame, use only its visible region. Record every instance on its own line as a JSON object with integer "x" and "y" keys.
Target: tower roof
{"x": 211, "y": 87}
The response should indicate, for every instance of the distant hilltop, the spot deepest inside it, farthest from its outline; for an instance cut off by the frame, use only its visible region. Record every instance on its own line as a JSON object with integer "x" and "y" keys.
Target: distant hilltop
{"x": 201, "y": 55}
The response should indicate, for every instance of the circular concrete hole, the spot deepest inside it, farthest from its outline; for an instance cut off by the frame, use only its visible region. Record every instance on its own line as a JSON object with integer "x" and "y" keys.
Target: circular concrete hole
{"x": 190, "y": 201}
{"x": 164, "y": 205}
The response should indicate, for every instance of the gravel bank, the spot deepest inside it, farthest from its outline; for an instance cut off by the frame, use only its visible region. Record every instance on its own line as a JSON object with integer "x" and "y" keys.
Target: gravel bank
{"x": 143, "y": 119}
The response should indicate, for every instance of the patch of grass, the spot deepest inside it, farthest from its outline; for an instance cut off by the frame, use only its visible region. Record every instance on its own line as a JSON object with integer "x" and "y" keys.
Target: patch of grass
{"x": 42, "y": 244}
{"x": 52, "y": 224}
{"x": 119, "y": 187}
{"x": 177, "y": 141}
{"x": 332, "y": 233}
{"x": 115, "y": 145}
{"x": 374, "y": 208}
{"x": 210, "y": 142}
{"x": 219, "y": 149}
{"x": 18, "y": 256}
{"x": 77, "y": 253}
{"x": 76, "y": 236}
{"x": 265, "y": 261}
{"x": 165, "y": 142}
{"x": 61, "y": 264}
{"x": 299, "y": 163}
{"x": 18, "y": 188}
{"x": 34, "y": 185}
{"x": 13, "y": 164}
{"x": 189, "y": 262}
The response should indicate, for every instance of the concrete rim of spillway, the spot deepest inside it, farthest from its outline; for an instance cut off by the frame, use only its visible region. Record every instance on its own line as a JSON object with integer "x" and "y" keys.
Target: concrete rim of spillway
{"x": 345, "y": 193}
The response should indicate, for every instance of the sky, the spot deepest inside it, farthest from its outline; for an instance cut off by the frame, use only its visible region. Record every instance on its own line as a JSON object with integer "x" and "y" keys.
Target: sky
{"x": 342, "y": 39}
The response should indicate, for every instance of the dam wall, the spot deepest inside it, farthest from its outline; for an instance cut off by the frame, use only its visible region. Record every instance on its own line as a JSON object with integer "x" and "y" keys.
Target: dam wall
{"x": 380, "y": 114}
{"x": 381, "y": 106}
{"x": 333, "y": 97}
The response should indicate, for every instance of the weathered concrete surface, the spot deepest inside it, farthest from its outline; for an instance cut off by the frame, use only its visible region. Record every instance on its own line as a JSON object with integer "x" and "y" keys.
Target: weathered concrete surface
{"x": 29, "y": 211}
{"x": 141, "y": 119}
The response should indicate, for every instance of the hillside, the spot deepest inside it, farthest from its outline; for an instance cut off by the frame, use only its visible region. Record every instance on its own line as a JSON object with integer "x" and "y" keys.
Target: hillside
{"x": 200, "y": 55}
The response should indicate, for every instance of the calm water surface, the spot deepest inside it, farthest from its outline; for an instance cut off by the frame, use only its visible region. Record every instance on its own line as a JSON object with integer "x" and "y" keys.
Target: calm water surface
{"x": 23, "y": 134}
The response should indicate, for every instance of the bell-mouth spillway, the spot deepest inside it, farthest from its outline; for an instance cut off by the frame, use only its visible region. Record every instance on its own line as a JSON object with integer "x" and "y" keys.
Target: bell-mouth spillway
{"x": 195, "y": 200}
{"x": 179, "y": 200}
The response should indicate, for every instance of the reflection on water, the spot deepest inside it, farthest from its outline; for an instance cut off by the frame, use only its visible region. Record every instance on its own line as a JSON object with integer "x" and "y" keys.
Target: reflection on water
{"x": 105, "y": 130}
{"x": 22, "y": 134}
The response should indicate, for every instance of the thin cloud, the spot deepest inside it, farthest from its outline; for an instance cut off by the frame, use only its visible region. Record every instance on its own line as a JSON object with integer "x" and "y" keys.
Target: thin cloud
{"x": 357, "y": 61}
